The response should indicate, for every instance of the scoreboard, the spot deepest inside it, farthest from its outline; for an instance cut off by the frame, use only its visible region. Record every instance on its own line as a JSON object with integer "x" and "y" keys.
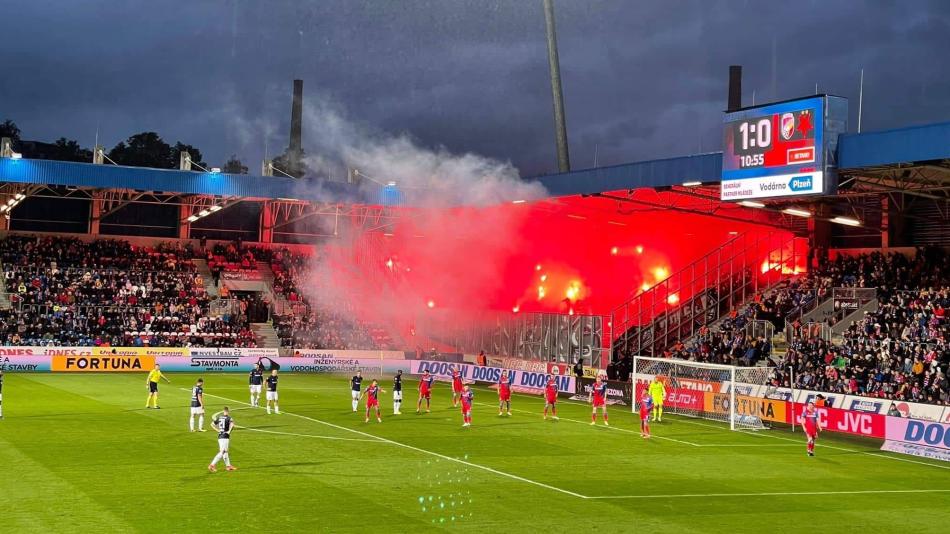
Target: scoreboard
{"x": 782, "y": 150}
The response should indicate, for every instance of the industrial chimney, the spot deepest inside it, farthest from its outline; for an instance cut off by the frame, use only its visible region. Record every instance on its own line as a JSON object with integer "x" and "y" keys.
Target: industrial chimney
{"x": 735, "y": 88}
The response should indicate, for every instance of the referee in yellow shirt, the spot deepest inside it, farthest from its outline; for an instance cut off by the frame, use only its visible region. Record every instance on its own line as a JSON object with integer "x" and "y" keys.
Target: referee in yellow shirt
{"x": 152, "y": 384}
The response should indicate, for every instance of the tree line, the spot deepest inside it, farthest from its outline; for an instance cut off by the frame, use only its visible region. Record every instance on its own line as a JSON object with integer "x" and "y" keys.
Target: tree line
{"x": 145, "y": 149}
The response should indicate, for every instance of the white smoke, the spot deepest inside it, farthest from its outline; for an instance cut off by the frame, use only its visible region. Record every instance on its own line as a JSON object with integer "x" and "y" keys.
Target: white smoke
{"x": 429, "y": 177}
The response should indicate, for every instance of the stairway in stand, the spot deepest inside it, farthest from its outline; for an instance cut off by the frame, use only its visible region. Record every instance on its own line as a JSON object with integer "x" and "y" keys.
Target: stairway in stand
{"x": 266, "y": 335}
{"x": 281, "y": 306}
{"x": 205, "y": 273}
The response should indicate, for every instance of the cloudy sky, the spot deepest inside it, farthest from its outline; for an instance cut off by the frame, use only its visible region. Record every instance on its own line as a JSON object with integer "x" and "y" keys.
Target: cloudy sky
{"x": 642, "y": 80}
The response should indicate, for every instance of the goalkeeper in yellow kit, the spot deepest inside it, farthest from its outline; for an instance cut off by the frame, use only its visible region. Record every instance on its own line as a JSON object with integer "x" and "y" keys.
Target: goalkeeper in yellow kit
{"x": 657, "y": 393}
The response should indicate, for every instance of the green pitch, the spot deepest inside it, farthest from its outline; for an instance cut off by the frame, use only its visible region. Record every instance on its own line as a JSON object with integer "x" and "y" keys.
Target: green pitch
{"x": 81, "y": 454}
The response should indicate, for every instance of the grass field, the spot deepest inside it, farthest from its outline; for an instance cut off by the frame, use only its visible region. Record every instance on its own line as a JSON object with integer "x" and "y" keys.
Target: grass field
{"x": 81, "y": 454}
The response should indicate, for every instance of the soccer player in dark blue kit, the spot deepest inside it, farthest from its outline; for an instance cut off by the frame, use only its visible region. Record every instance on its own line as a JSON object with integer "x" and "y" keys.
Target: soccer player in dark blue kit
{"x": 397, "y": 393}
{"x": 197, "y": 406}
{"x": 225, "y": 426}
{"x": 355, "y": 384}
{"x": 272, "y": 392}
{"x": 255, "y": 382}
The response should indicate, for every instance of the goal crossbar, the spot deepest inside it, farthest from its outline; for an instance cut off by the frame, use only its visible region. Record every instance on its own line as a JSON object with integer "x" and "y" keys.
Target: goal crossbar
{"x": 697, "y": 389}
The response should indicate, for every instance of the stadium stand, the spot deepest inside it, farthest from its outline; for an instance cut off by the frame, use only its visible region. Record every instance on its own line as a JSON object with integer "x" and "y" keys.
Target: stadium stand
{"x": 65, "y": 291}
{"x": 899, "y": 352}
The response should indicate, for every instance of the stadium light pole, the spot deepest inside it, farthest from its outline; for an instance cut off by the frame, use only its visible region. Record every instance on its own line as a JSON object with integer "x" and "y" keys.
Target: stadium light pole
{"x": 560, "y": 127}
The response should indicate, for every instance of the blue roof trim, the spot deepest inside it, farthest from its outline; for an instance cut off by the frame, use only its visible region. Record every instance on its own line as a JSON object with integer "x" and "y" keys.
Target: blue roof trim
{"x": 888, "y": 147}
{"x": 185, "y": 182}
{"x": 655, "y": 173}
{"x": 903, "y": 145}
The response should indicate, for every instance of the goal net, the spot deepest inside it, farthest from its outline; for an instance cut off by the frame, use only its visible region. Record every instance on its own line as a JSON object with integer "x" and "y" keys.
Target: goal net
{"x": 704, "y": 390}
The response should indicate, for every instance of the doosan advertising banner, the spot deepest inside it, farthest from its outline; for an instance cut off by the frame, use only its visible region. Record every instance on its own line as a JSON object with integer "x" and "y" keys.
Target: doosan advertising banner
{"x": 526, "y": 380}
{"x": 917, "y": 432}
{"x": 925, "y": 439}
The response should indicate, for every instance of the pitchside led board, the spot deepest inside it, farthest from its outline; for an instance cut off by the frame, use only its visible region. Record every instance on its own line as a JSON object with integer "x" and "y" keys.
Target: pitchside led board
{"x": 787, "y": 149}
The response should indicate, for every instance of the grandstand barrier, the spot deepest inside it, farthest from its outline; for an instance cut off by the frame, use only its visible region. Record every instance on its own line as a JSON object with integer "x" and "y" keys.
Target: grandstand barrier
{"x": 534, "y": 366}
{"x": 618, "y": 393}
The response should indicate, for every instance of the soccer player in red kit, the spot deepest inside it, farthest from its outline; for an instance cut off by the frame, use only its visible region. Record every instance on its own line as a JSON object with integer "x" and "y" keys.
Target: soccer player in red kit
{"x": 372, "y": 400}
{"x": 809, "y": 421}
{"x": 504, "y": 394}
{"x": 425, "y": 391}
{"x": 646, "y": 404}
{"x": 466, "y": 398}
{"x": 598, "y": 398}
{"x": 456, "y": 388}
{"x": 550, "y": 399}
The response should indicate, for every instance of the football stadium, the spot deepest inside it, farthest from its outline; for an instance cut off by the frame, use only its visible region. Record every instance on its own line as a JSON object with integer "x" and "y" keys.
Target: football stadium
{"x": 400, "y": 335}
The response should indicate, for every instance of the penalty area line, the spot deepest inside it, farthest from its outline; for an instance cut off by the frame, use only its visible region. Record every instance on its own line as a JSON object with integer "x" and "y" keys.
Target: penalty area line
{"x": 424, "y": 451}
{"x": 768, "y": 494}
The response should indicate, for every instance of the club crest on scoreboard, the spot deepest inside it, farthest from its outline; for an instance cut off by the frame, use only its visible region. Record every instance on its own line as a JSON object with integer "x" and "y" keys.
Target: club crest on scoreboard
{"x": 788, "y": 125}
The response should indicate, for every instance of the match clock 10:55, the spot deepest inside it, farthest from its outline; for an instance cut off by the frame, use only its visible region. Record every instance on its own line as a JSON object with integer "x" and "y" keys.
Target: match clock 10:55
{"x": 752, "y": 138}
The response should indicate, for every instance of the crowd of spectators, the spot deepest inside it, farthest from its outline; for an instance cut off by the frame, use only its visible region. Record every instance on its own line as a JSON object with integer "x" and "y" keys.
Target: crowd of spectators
{"x": 899, "y": 352}
{"x": 66, "y": 291}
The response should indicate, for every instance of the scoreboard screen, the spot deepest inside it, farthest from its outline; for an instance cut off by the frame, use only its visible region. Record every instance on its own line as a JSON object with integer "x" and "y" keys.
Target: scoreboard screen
{"x": 779, "y": 150}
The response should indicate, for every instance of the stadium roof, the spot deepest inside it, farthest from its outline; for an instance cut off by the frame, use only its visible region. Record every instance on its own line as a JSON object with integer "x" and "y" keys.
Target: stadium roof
{"x": 62, "y": 173}
{"x": 890, "y": 149}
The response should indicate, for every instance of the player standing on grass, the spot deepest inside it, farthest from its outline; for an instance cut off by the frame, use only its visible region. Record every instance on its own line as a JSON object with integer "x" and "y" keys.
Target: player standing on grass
{"x": 598, "y": 399}
{"x": 467, "y": 396}
{"x": 809, "y": 421}
{"x": 456, "y": 388}
{"x": 197, "y": 406}
{"x": 355, "y": 384}
{"x": 504, "y": 393}
{"x": 372, "y": 400}
{"x": 550, "y": 398}
{"x": 255, "y": 382}
{"x": 425, "y": 391}
{"x": 658, "y": 392}
{"x": 397, "y": 393}
{"x": 272, "y": 392}
{"x": 646, "y": 403}
{"x": 225, "y": 426}
{"x": 152, "y": 384}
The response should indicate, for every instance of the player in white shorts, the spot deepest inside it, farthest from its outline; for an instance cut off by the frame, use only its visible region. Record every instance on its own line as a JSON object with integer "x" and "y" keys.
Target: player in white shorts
{"x": 197, "y": 406}
{"x": 397, "y": 393}
{"x": 272, "y": 391}
{"x": 225, "y": 426}
{"x": 255, "y": 382}
{"x": 355, "y": 383}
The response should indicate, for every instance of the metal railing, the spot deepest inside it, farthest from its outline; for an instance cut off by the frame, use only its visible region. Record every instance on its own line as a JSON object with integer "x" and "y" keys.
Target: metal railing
{"x": 759, "y": 328}
{"x": 550, "y": 337}
{"x": 810, "y": 330}
{"x": 705, "y": 290}
{"x": 848, "y": 300}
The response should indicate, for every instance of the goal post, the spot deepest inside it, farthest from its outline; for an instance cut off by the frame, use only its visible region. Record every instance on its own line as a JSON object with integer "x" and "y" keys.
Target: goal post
{"x": 704, "y": 390}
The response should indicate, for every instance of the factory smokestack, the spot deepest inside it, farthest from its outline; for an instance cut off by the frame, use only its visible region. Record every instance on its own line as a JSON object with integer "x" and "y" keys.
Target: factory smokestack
{"x": 735, "y": 88}
{"x": 295, "y": 152}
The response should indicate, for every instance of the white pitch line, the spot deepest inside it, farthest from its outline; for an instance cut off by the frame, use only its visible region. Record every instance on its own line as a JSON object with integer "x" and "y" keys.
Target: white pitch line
{"x": 762, "y": 445}
{"x": 417, "y": 449}
{"x": 308, "y": 435}
{"x": 768, "y": 494}
{"x": 834, "y": 447}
